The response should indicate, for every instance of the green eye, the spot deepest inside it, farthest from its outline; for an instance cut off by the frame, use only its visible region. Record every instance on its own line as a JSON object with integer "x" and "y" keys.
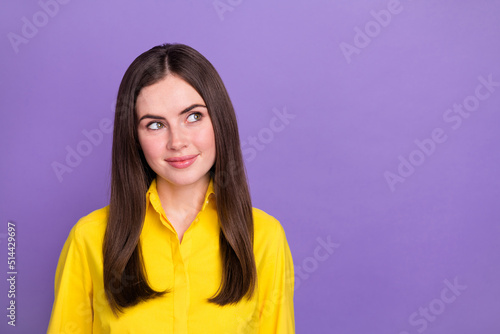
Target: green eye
{"x": 194, "y": 117}
{"x": 155, "y": 126}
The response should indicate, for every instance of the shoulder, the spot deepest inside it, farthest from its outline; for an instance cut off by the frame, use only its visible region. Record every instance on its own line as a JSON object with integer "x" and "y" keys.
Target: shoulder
{"x": 91, "y": 227}
{"x": 264, "y": 223}
{"x": 84, "y": 241}
{"x": 268, "y": 232}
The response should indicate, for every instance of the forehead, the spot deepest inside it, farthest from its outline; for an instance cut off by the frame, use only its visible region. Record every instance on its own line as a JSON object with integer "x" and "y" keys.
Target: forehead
{"x": 170, "y": 94}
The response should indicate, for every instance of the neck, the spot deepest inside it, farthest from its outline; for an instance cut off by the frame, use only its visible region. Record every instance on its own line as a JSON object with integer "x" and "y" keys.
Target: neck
{"x": 182, "y": 199}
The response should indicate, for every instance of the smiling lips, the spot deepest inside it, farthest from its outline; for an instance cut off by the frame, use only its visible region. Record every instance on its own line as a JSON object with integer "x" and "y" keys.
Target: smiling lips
{"x": 182, "y": 162}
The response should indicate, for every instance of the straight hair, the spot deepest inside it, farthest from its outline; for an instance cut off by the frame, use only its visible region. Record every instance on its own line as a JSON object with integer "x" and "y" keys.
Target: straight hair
{"x": 125, "y": 278}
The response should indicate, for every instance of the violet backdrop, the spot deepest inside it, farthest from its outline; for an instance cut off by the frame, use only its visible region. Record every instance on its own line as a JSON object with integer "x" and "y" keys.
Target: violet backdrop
{"x": 369, "y": 129}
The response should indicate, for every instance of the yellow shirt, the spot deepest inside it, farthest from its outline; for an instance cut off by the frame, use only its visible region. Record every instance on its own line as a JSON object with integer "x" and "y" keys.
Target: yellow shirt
{"x": 191, "y": 270}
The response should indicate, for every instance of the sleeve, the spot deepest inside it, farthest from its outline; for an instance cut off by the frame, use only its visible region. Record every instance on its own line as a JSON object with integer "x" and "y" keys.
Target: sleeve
{"x": 72, "y": 310}
{"x": 277, "y": 313}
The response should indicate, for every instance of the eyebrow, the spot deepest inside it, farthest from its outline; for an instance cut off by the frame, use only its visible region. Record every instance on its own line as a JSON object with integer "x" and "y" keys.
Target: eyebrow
{"x": 188, "y": 109}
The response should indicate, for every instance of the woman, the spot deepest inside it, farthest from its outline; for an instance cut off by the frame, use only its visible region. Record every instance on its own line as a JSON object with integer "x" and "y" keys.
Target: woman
{"x": 180, "y": 248}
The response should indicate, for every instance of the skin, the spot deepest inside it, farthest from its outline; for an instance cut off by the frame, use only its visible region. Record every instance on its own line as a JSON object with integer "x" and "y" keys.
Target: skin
{"x": 167, "y": 130}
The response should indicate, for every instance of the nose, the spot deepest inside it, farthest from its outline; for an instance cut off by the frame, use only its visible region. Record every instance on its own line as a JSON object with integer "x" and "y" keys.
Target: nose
{"x": 177, "y": 139}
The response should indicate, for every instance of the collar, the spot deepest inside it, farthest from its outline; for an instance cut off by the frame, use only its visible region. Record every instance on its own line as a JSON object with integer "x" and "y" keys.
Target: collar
{"x": 153, "y": 197}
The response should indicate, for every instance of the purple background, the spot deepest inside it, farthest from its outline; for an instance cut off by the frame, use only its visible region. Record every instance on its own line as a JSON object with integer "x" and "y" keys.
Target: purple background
{"x": 321, "y": 175}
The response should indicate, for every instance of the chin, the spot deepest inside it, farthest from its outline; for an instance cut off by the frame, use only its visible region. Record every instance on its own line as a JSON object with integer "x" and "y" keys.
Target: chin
{"x": 183, "y": 180}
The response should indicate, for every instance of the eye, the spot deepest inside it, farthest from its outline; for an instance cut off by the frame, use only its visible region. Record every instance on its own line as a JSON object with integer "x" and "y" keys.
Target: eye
{"x": 155, "y": 126}
{"x": 194, "y": 117}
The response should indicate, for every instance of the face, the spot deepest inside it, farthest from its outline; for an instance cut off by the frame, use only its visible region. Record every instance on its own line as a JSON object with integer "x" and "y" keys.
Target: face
{"x": 175, "y": 132}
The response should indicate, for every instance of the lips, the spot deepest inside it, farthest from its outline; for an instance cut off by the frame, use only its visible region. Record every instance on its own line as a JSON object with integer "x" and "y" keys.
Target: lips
{"x": 182, "y": 162}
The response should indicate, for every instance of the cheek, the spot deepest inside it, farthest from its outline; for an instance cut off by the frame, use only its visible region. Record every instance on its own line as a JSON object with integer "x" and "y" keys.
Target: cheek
{"x": 150, "y": 147}
{"x": 206, "y": 139}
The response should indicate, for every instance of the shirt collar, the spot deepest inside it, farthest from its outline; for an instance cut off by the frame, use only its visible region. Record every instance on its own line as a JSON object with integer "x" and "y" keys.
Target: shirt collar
{"x": 153, "y": 197}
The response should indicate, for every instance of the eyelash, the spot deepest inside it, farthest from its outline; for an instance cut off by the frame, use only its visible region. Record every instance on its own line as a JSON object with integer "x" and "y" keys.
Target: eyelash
{"x": 162, "y": 126}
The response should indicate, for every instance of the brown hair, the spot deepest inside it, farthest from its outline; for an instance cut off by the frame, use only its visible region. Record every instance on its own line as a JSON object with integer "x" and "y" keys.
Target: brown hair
{"x": 125, "y": 279}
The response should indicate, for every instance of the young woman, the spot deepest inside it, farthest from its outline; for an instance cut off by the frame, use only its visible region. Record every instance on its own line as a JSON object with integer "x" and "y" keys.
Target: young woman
{"x": 180, "y": 248}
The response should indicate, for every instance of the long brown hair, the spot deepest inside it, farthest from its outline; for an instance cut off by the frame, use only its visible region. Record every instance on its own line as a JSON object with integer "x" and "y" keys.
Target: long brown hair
{"x": 125, "y": 279}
